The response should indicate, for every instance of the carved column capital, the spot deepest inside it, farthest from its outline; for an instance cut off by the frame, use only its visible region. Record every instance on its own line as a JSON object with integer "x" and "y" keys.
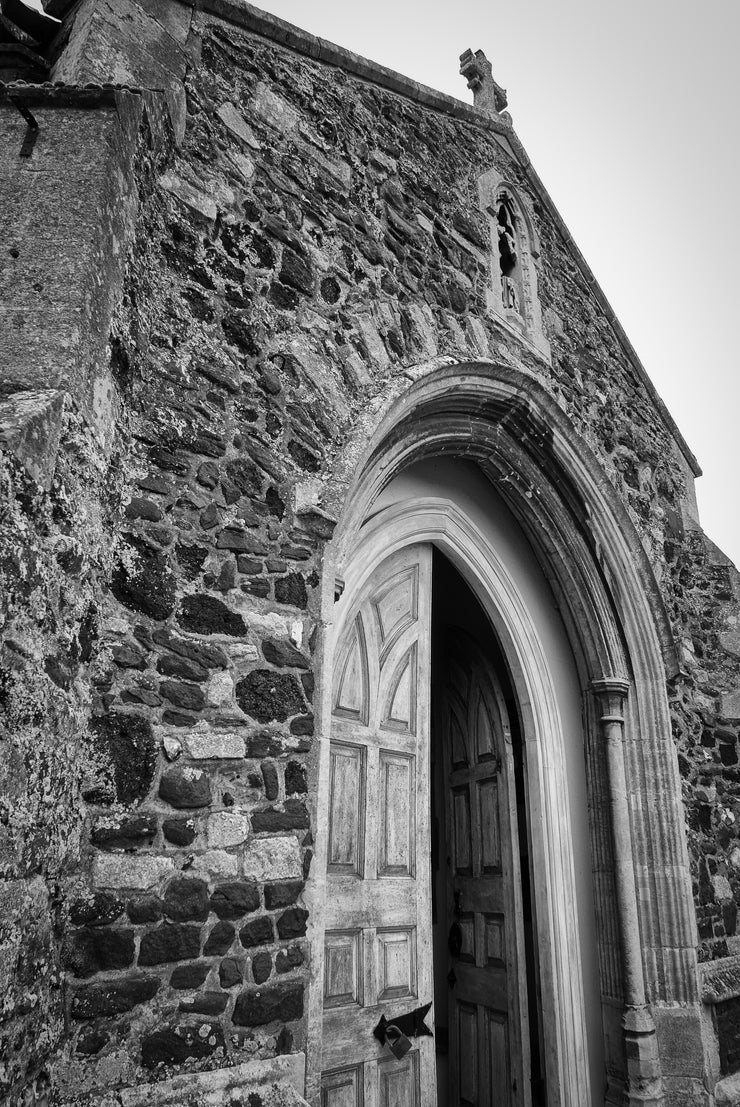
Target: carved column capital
{"x": 611, "y": 693}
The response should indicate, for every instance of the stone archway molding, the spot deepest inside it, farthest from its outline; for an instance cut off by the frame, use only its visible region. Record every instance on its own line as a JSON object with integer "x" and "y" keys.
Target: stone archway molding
{"x": 506, "y": 421}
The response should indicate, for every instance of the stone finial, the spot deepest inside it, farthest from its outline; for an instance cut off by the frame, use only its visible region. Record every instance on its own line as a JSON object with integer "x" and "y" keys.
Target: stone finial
{"x": 488, "y": 96}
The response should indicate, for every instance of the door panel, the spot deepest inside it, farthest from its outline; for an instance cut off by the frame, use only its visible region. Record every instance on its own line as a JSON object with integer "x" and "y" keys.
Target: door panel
{"x": 489, "y": 1062}
{"x": 378, "y": 900}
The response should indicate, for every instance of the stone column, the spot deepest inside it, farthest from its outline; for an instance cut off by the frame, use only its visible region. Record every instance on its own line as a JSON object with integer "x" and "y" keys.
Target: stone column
{"x": 644, "y": 1084}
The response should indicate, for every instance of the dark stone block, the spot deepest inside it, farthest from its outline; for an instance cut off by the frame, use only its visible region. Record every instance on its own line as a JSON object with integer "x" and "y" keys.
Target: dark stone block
{"x": 295, "y": 778}
{"x": 208, "y": 474}
{"x": 99, "y": 910}
{"x": 170, "y": 942}
{"x": 141, "y": 508}
{"x": 181, "y": 832}
{"x": 257, "y": 587}
{"x": 245, "y": 475}
{"x": 282, "y": 893}
{"x": 202, "y": 653}
{"x": 191, "y": 697}
{"x": 289, "y": 959}
{"x": 128, "y": 656}
{"x": 270, "y": 778}
{"x": 172, "y": 665}
{"x": 303, "y": 725}
{"x": 283, "y": 653}
{"x": 112, "y": 997}
{"x": 234, "y": 538}
{"x": 91, "y": 1040}
{"x": 219, "y": 940}
{"x": 144, "y": 580}
{"x": 186, "y": 899}
{"x": 292, "y": 923}
{"x": 283, "y": 297}
{"x": 261, "y": 967}
{"x": 284, "y": 1002}
{"x": 185, "y": 787}
{"x": 126, "y": 833}
{"x": 178, "y": 718}
{"x": 294, "y": 816}
{"x": 296, "y": 272}
{"x": 307, "y": 460}
{"x": 144, "y": 909}
{"x": 275, "y": 504}
{"x": 231, "y": 901}
{"x": 206, "y": 615}
{"x": 92, "y": 950}
{"x": 129, "y": 743}
{"x": 170, "y": 1047}
{"x": 263, "y": 744}
{"x": 266, "y": 695}
{"x": 189, "y": 976}
{"x": 248, "y": 565}
{"x": 291, "y": 589}
{"x": 727, "y": 1016}
{"x": 230, "y": 972}
{"x": 256, "y": 933}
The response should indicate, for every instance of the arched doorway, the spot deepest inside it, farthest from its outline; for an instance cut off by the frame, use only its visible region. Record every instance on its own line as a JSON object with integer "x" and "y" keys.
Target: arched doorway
{"x": 597, "y": 577}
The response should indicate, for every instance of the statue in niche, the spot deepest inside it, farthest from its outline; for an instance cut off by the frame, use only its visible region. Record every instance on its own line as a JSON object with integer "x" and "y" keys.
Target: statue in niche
{"x": 508, "y": 252}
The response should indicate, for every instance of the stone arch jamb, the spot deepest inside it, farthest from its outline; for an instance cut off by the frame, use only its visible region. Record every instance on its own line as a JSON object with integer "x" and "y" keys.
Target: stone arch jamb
{"x": 505, "y": 421}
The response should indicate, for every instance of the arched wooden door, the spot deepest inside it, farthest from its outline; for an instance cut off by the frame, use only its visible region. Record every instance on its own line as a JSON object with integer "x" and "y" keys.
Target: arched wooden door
{"x": 487, "y": 1011}
{"x": 377, "y": 954}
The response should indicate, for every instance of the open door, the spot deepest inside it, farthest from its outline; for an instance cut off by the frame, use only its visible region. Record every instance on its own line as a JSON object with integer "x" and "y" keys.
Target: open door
{"x": 378, "y": 957}
{"x": 487, "y": 1001}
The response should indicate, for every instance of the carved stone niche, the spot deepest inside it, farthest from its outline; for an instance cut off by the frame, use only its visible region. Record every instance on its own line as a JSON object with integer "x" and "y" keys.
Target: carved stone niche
{"x": 512, "y": 294}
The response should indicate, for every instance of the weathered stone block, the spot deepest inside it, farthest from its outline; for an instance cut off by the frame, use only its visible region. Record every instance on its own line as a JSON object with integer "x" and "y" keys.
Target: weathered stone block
{"x": 289, "y": 959}
{"x": 292, "y": 923}
{"x": 90, "y": 950}
{"x": 126, "y": 833}
{"x": 261, "y": 967}
{"x": 112, "y": 997}
{"x": 282, "y": 893}
{"x": 206, "y": 1003}
{"x": 294, "y": 816}
{"x": 295, "y": 779}
{"x": 283, "y": 653}
{"x": 181, "y": 832}
{"x": 144, "y": 580}
{"x": 170, "y": 942}
{"x": 217, "y": 744}
{"x": 284, "y": 1002}
{"x": 256, "y": 933}
{"x": 189, "y": 976}
{"x": 124, "y": 871}
{"x": 266, "y": 695}
{"x": 230, "y": 972}
{"x": 219, "y": 940}
{"x": 185, "y": 787}
{"x": 204, "y": 614}
{"x": 129, "y": 743}
{"x": 173, "y": 1047}
{"x": 99, "y": 909}
{"x": 231, "y": 901}
{"x": 227, "y": 828}
{"x": 267, "y": 858}
{"x": 144, "y": 909}
{"x": 185, "y": 899}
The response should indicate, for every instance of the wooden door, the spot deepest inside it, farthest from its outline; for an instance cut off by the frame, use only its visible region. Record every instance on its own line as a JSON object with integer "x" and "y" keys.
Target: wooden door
{"x": 488, "y": 1035}
{"x": 377, "y": 953}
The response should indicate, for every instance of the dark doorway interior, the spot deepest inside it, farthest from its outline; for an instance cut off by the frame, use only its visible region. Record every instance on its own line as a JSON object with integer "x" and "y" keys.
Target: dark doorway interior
{"x": 457, "y": 617}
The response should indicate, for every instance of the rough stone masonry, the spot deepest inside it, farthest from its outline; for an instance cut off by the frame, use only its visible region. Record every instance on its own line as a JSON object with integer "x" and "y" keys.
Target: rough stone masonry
{"x": 228, "y": 241}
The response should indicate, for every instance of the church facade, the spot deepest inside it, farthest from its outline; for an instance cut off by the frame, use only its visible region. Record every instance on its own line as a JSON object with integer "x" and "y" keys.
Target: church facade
{"x": 371, "y": 704}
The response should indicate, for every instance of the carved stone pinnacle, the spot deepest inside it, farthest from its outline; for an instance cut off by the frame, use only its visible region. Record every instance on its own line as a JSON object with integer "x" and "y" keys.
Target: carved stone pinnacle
{"x": 488, "y": 95}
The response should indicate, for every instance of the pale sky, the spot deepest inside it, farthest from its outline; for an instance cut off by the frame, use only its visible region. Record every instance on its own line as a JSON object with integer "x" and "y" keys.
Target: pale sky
{"x": 628, "y": 110}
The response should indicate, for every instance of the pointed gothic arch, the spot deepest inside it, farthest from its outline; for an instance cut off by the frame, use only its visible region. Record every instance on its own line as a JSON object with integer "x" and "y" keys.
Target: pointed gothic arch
{"x": 505, "y": 421}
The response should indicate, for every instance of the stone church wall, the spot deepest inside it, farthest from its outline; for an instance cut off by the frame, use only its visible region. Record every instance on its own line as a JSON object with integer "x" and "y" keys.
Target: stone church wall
{"x": 244, "y": 280}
